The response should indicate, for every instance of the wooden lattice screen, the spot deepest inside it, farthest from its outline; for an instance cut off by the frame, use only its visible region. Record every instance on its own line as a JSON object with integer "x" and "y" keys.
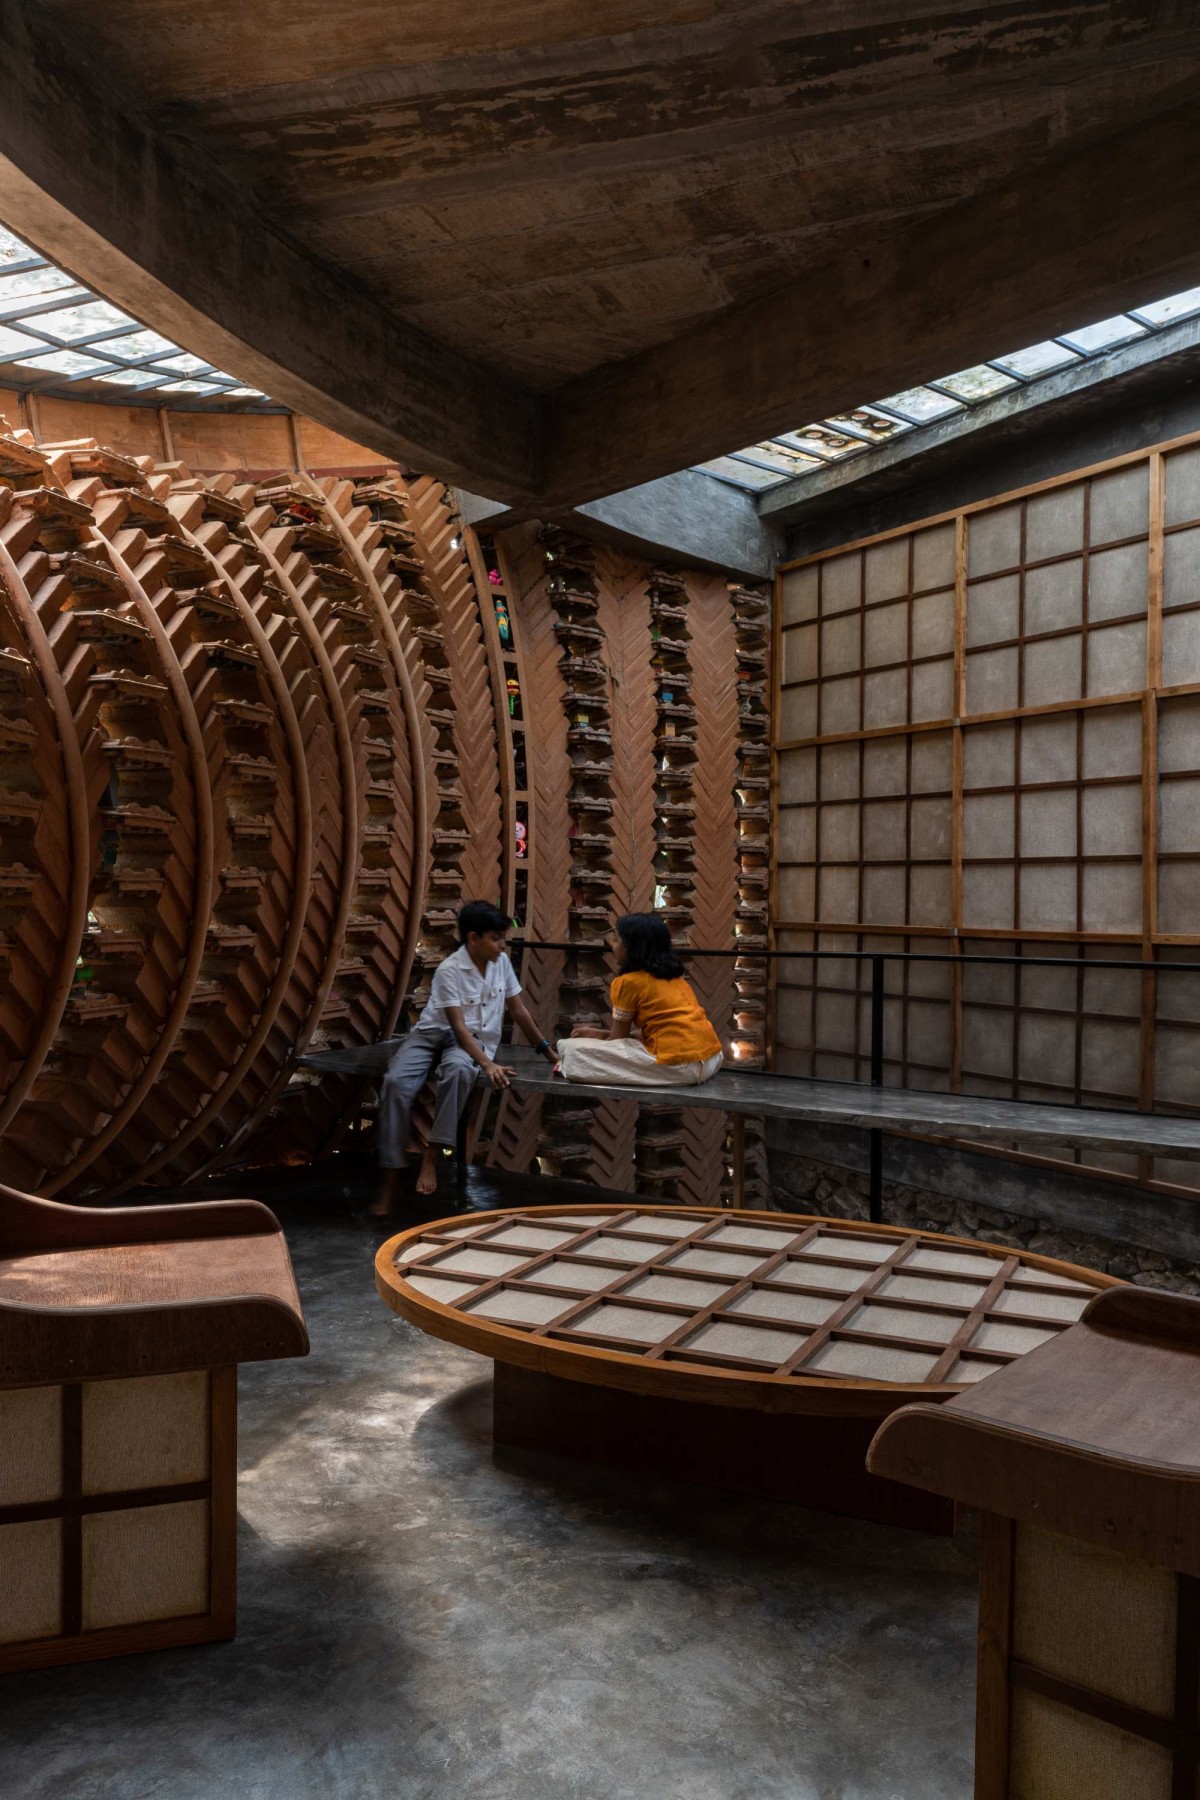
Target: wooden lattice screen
{"x": 987, "y": 733}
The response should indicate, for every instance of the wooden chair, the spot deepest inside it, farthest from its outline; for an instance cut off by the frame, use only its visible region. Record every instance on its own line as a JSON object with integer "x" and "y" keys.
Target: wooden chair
{"x": 1084, "y": 1459}
{"x": 120, "y": 1335}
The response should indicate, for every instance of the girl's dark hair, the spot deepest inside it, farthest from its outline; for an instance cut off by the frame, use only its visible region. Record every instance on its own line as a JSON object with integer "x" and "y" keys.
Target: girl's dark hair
{"x": 480, "y": 916}
{"x": 647, "y": 942}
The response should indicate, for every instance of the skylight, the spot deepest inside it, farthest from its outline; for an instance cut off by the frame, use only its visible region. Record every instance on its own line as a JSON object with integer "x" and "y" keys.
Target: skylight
{"x": 58, "y": 337}
{"x": 809, "y": 448}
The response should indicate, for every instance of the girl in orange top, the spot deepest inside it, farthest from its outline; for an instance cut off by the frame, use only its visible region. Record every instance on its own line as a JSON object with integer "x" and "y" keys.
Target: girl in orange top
{"x": 677, "y": 1048}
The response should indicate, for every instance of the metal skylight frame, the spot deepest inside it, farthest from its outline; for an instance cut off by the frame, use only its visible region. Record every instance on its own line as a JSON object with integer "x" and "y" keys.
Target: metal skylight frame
{"x": 944, "y": 396}
{"x": 58, "y": 337}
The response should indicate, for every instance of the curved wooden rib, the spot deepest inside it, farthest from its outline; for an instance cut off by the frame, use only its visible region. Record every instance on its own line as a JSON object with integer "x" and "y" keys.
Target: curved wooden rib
{"x": 351, "y": 846}
{"x": 59, "y": 989}
{"x": 204, "y": 882}
{"x": 417, "y": 746}
{"x": 449, "y": 577}
{"x": 300, "y": 884}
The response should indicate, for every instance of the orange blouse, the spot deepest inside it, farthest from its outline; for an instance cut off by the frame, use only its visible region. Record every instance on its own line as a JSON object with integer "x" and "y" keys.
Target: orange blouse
{"x": 673, "y": 1024}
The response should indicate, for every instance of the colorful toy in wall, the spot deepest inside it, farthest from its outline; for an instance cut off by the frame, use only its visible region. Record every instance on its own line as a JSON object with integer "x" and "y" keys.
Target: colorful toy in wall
{"x": 522, "y": 837}
{"x": 502, "y": 619}
{"x": 514, "y": 697}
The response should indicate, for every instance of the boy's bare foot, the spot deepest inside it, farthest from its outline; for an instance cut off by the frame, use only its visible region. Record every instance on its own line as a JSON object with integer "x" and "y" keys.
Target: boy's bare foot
{"x": 382, "y": 1205}
{"x": 427, "y": 1176}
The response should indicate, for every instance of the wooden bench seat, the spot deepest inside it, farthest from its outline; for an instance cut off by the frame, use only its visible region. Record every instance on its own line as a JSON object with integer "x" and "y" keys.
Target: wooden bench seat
{"x": 120, "y": 1334}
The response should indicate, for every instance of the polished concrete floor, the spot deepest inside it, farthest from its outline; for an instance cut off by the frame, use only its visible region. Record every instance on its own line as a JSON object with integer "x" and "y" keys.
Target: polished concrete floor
{"x": 416, "y": 1621}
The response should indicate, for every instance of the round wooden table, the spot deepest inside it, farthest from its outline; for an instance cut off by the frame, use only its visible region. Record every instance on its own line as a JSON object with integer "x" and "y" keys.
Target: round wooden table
{"x": 757, "y": 1351}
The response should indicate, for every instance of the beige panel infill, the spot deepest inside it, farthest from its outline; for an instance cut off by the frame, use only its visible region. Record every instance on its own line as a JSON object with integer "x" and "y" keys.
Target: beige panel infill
{"x": 30, "y": 1580}
{"x": 149, "y": 1432}
{"x": 30, "y": 1445}
{"x": 148, "y": 1563}
{"x": 1060, "y": 1754}
{"x": 1095, "y": 1619}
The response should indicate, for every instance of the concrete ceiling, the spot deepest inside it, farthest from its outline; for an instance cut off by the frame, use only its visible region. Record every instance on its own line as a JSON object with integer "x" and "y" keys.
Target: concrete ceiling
{"x": 552, "y": 264}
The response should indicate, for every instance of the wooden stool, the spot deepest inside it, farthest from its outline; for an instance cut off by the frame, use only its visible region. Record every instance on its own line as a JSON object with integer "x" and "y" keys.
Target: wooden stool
{"x": 120, "y": 1335}
{"x": 1084, "y": 1459}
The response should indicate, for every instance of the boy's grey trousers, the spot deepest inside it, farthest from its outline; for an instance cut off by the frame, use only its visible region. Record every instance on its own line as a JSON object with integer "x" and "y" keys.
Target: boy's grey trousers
{"x": 408, "y": 1071}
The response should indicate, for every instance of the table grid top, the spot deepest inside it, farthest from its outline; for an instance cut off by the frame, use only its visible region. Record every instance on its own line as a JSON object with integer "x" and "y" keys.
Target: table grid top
{"x": 786, "y": 1298}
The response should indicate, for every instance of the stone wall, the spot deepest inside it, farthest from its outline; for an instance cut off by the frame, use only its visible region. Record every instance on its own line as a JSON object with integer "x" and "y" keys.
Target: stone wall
{"x": 808, "y": 1185}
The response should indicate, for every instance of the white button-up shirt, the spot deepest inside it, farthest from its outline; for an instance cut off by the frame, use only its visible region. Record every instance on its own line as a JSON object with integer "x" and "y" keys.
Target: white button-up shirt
{"x": 457, "y": 982}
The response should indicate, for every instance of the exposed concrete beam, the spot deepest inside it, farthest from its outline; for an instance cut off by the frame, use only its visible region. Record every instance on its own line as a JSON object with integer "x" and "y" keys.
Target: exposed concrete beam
{"x": 686, "y": 518}
{"x": 690, "y": 518}
{"x": 154, "y": 222}
{"x": 167, "y": 237}
{"x": 1040, "y": 405}
{"x": 1088, "y": 232}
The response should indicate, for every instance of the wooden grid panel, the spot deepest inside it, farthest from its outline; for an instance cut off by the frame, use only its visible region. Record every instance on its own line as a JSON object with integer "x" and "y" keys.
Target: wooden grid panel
{"x": 823, "y": 1012}
{"x": 1052, "y": 822}
{"x": 117, "y": 1517}
{"x": 1065, "y": 1704}
{"x": 1058, "y": 589}
{"x": 868, "y": 638}
{"x": 792, "y": 1298}
{"x": 1064, "y": 814}
{"x": 865, "y": 832}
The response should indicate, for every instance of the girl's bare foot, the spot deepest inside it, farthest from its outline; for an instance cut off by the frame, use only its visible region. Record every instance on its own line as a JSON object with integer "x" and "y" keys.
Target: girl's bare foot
{"x": 427, "y": 1177}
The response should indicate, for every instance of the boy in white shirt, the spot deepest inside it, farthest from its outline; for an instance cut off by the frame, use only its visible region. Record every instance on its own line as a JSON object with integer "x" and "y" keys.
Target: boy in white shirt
{"x": 459, "y": 1032}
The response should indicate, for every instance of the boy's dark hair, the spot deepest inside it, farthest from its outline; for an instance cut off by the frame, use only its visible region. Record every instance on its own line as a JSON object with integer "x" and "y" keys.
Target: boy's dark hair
{"x": 647, "y": 941}
{"x": 480, "y": 916}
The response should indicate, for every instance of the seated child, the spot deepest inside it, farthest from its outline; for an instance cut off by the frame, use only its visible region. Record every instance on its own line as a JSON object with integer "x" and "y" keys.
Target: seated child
{"x": 678, "y": 1047}
{"x": 458, "y": 1033}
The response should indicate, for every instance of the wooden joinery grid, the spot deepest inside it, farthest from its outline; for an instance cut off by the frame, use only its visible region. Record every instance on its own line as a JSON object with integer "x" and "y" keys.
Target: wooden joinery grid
{"x": 114, "y": 1541}
{"x": 987, "y": 737}
{"x": 674, "y": 754}
{"x": 464, "y": 608}
{"x": 789, "y": 1298}
{"x": 1140, "y": 1714}
{"x": 754, "y": 796}
{"x": 518, "y": 1136}
{"x": 506, "y": 665}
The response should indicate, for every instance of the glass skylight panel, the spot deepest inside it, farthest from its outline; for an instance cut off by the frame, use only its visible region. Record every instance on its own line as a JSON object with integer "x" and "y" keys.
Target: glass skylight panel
{"x": 183, "y": 364}
{"x": 861, "y": 427}
{"x": 921, "y": 404}
{"x": 821, "y": 441}
{"x": 138, "y": 346}
{"x": 132, "y": 378}
{"x": 70, "y": 323}
{"x": 190, "y": 387}
{"x": 63, "y": 362}
{"x": 245, "y": 393}
{"x": 1038, "y": 359}
{"x": 772, "y": 455}
{"x": 1104, "y": 335}
{"x": 18, "y": 290}
{"x": 13, "y": 250}
{"x": 1165, "y": 312}
{"x": 873, "y": 427}
{"x": 743, "y": 475}
{"x": 979, "y": 383}
{"x": 12, "y": 343}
